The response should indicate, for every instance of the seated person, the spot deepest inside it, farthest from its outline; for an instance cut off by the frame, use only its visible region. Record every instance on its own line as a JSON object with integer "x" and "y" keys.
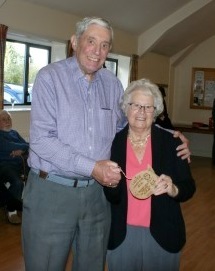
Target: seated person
{"x": 13, "y": 153}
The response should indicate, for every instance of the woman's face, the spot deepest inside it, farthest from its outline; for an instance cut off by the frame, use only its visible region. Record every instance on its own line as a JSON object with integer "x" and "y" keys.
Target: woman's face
{"x": 138, "y": 119}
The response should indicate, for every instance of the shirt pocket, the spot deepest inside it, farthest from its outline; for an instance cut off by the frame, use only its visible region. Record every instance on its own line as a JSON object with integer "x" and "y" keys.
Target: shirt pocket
{"x": 107, "y": 123}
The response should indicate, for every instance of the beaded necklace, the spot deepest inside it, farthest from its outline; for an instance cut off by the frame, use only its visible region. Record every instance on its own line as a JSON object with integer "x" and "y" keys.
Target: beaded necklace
{"x": 139, "y": 142}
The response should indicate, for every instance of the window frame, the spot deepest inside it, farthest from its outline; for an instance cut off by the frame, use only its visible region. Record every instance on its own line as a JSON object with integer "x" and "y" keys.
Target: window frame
{"x": 28, "y": 45}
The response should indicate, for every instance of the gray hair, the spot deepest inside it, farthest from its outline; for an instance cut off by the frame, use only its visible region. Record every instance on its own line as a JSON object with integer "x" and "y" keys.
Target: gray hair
{"x": 82, "y": 26}
{"x": 148, "y": 89}
{"x": 4, "y": 112}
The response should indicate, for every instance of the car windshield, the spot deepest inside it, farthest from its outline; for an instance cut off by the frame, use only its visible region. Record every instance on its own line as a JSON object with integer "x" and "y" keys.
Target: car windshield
{"x": 13, "y": 94}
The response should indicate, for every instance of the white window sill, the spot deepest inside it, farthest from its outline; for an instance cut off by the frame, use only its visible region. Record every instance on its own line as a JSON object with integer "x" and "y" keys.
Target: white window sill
{"x": 17, "y": 108}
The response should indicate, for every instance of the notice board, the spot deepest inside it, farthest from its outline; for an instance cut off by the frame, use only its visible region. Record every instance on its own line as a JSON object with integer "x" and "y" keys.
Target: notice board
{"x": 202, "y": 88}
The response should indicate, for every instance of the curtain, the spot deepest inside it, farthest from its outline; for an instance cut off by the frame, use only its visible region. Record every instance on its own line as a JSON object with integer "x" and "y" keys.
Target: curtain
{"x": 3, "y": 34}
{"x": 134, "y": 68}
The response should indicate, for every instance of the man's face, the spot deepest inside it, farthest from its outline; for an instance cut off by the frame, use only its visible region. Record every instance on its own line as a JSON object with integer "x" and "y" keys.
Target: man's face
{"x": 5, "y": 122}
{"x": 92, "y": 49}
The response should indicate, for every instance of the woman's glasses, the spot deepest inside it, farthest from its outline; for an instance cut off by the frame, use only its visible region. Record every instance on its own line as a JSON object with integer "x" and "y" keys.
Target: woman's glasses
{"x": 146, "y": 108}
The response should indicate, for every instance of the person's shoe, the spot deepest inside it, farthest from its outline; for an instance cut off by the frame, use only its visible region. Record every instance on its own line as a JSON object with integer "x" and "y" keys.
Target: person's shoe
{"x": 14, "y": 218}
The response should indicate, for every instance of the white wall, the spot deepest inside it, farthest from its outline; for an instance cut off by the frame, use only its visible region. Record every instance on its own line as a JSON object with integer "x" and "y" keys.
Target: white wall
{"x": 204, "y": 57}
{"x": 50, "y": 24}
{"x": 21, "y": 121}
{"x": 200, "y": 144}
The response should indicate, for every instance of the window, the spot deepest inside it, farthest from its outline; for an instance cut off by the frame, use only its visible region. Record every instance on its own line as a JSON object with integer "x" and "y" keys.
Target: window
{"x": 22, "y": 62}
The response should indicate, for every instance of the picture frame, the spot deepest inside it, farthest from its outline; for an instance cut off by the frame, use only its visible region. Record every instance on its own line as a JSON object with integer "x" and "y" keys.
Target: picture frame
{"x": 112, "y": 65}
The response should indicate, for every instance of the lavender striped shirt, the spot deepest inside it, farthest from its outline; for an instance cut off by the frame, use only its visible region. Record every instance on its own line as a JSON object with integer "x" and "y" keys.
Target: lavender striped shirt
{"x": 73, "y": 122}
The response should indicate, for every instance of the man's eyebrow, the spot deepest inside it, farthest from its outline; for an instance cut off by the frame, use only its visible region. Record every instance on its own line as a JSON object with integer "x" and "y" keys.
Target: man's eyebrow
{"x": 94, "y": 38}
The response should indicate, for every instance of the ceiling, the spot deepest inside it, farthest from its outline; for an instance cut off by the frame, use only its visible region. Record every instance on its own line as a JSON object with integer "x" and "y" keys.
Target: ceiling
{"x": 187, "y": 23}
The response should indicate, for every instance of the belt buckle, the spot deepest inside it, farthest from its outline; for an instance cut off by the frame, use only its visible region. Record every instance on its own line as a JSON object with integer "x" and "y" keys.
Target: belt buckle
{"x": 77, "y": 180}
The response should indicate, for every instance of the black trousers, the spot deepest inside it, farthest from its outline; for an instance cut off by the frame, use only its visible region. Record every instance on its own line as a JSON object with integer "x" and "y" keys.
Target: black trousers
{"x": 7, "y": 200}
{"x": 11, "y": 174}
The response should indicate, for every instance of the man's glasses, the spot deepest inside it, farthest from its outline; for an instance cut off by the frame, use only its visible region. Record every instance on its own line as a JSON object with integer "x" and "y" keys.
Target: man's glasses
{"x": 146, "y": 108}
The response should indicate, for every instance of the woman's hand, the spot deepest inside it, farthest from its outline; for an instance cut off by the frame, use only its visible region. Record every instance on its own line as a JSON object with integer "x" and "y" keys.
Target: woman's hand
{"x": 164, "y": 184}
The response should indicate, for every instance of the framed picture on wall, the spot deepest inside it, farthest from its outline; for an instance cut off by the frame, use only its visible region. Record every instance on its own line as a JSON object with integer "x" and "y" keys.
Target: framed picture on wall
{"x": 202, "y": 88}
{"x": 111, "y": 64}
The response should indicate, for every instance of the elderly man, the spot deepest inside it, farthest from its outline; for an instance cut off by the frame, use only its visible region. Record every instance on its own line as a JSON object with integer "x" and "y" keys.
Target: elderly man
{"x": 13, "y": 150}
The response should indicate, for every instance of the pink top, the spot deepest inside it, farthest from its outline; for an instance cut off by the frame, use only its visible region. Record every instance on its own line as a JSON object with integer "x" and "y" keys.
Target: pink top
{"x": 139, "y": 211}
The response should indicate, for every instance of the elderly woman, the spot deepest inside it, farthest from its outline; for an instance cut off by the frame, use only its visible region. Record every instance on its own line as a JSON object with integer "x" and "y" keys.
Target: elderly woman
{"x": 147, "y": 234}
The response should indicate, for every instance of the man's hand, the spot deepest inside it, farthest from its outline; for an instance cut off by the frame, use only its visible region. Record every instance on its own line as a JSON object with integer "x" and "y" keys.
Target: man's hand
{"x": 183, "y": 150}
{"x": 16, "y": 153}
{"x": 107, "y": 173}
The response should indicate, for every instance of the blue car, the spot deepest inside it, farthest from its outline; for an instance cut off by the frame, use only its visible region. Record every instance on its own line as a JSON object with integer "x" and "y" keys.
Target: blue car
{"x": 13, "y": 94}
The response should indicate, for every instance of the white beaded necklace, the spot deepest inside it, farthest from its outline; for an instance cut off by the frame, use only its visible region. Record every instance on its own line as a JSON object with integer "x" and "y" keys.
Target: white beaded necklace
{"x": 139, "y": 142}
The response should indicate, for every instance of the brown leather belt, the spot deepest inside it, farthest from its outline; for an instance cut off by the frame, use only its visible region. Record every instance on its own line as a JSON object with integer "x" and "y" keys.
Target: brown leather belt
{"x": 65, "y": 180}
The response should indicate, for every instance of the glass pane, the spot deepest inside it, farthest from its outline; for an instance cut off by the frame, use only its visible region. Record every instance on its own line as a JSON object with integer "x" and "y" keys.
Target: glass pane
{"x": 38, "y": 59}
{"x": 14, "y": 73}
{"x": 112, "y": 65}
